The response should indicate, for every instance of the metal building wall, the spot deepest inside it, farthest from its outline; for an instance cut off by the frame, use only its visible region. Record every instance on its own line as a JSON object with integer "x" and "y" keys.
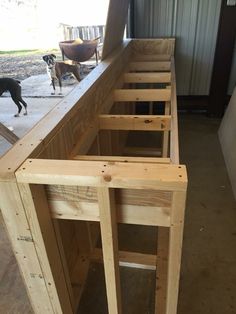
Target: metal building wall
{"x": 194, "y": 23}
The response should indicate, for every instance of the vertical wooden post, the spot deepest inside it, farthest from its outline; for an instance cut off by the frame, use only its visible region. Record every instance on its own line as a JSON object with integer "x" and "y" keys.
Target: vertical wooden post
{"x": 175, "y": 250}
{"x": 45, "y": 241}
{"x": 165, "y": 145}
{"x": 106, "y": 200}
{"x": 24, "y": 247}
{"x": 161, "y": 270}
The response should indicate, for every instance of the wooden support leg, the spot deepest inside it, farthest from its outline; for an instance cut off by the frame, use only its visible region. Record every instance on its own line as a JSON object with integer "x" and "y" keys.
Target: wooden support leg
{"x": 161, "y": 270}
{"x": 48, "y": 251}
{"x": 25, "y": 248}
{"x": 81, "y": 269}
{"x": 106, "y": 199}
{"x": 151, "y": 102}
{"x": 175, "y": 250}
{"x": 166, "y": 134}
{"x": 64, "y": 262}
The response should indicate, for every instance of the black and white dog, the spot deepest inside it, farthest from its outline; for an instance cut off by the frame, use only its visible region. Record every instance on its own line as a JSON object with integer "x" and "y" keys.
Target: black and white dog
{"x": 14, "y": 88}
{"x": 56, "y": 69}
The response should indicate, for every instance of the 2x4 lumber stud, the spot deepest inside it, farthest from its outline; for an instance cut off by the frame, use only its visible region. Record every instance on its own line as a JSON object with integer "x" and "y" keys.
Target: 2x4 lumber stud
{"x": 161, "y": 270}
{"x": 129, "y": 259}
{"x": 133, "y": 122}
{"x": 127, "y": 214}
{"x": 147, "y": 77}
{"x": 151, "y": 57}
{"x": 104, "y": 174}
{"x": 175, "y": 250}
{"x": 165, "y": 142}
{"x": 108, "y": 223}
{"x": 24, "y": 247}
{"x": 45, "y": 241}
{"x": 7, "y": 134}
{"x": 121, "y": 95}
{"x": 174, "y": 139}
{"x": 150, "y": 66}
{"x": 124, "y": 159}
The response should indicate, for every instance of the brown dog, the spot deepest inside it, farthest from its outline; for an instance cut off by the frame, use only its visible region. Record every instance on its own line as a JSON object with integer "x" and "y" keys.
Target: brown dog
{"x": 56, "y": 69}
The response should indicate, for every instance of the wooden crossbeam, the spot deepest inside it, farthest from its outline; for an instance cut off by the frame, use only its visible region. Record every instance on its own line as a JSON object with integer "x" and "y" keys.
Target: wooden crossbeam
{"x": 126, "y": 214}
{"x": 99, "y": 174}
{"x": 147, "y": 77}
{"x": 134, "y": 122}
{"x": 142, "y": 95}
{"x": 150, "y": 66}
{"x": 150, "y": 152}
{"x": 123, "y": 159}
{"x": 129, "y": 259}
{"x": 7, "y": 134}
{"x": 152, "y": 57}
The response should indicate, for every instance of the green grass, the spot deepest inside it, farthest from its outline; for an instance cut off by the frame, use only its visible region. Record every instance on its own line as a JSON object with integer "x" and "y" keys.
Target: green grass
{"x": 25, "y": 52}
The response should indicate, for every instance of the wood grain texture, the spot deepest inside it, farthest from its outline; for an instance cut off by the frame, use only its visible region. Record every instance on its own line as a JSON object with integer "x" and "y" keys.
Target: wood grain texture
{"x": 147, "y": 77}
{"x": 115, "y": 25}
{"x": 24, "y": 248}
{"x": 124, "y": 159}
{"x": 162, "y": 46}
{"x": 135, "y": 122}
{"x": 142, "y": 95}
{"x": 101, "y": 174}
{"x": 151, "y": 66}
{"x": 174, "y": 136}
{"x": 7, "y": 134}
{"x": 108, "y": 223}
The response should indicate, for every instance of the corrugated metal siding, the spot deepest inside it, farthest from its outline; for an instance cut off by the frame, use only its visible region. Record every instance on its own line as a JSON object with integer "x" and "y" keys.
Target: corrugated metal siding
{"x": 194, "y": 23}
{"x": 232, "y": 81}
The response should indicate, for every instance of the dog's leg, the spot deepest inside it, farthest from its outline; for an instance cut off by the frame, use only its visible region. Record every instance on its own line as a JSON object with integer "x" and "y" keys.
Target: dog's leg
{"x": 76, "y": 72}
{"x": 25, "y": 106}
{"x": 53, "y": 85}
{"x": 16, "y": 96}
{"x": 16, "y": 101}
{"x": 60, "y": 85}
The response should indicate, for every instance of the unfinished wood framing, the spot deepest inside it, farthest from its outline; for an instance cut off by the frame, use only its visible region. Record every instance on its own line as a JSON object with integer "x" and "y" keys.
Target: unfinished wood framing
{"x": 8, "y": 134}
{"x": 72, "y": 169}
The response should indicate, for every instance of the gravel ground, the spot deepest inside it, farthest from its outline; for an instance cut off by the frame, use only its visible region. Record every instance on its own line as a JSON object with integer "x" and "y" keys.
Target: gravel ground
{"x": 23, "y": 66}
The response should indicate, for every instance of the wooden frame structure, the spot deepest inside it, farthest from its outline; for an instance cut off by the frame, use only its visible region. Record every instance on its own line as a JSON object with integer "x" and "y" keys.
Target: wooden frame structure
{"x": 69, "y": 171}
{"x": 8, "y": 134}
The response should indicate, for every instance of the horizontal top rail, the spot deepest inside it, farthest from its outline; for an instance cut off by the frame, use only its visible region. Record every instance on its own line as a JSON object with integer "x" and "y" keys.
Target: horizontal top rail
{"x": 174, "y": 137}
{"x": 104, "y": 174}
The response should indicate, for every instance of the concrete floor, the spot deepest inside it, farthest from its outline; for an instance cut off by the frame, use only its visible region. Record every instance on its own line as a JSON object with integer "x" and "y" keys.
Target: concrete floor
{"x": 208, "y": 284}
{"x": 208, "y": 279}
